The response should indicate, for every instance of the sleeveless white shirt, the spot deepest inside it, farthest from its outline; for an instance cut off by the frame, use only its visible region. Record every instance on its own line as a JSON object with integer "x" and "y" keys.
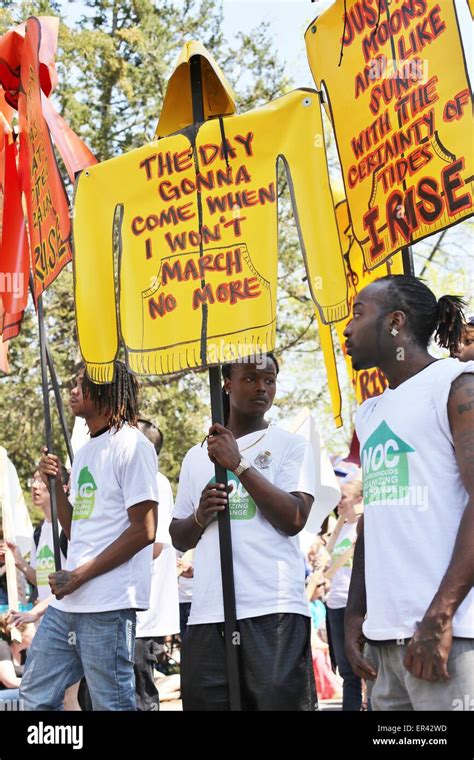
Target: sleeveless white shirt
{"x": 414, "y": 500}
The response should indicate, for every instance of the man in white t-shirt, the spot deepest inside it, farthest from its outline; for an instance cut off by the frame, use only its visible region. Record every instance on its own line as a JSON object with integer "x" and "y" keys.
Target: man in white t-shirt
{"x": 411, "y": 591}
{"x": 111, "y": 520}
{"x": 271, "y": 490}
{"x": 162, "y": 617}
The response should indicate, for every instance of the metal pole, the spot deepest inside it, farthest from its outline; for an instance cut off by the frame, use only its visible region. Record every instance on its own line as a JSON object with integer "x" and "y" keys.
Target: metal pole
{"x": 48, "y": 430}
{"x": 59, "y": 403}
{"x": 55, "y": 384}
{"x": 407, "y": 260}
{"x": 225, "y": 535}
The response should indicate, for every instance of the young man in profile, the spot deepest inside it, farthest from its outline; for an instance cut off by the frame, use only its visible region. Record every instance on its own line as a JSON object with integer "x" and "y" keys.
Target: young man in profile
{"x": 411, "y": 594}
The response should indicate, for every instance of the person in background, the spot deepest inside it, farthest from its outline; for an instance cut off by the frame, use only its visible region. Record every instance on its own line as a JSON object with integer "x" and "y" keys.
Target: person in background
{"x": 185, "y": 587}
{"x": 465, "y": 350}
{"x": 162, "y": 617}
{"x": 328, "y": 685}
{"x": 20, "y": 580}
{"x": 342, "y": 548}
{"x": 41, "y": 563}
{"x": 12, "y": 658}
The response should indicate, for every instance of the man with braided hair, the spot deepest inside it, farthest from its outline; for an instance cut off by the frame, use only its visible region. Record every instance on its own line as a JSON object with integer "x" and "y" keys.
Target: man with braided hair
{"x": 411, "y": 599}
{"x": 110, "y": 520}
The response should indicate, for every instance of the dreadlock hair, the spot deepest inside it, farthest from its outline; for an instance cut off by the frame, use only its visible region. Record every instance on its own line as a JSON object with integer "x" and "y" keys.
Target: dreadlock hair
{"x": 120, "y": 396}
{"x": 424, "y": 313}
{"x": 226, "y": 370}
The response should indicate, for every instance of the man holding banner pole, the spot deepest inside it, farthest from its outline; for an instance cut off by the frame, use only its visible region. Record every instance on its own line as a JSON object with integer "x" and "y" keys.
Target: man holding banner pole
{"x": 411, "y": 596}
{"x": 111, "y": 523}
{"x": 271, "y": 489}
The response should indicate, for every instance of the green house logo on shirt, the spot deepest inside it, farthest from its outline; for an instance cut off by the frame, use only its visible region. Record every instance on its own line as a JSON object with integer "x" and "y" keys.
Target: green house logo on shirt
{"x": 85, "y": 498}
{"x": 385, "y": 470}
{"x": 242, "y": 506}
{"x": 44, "y": 565}
{"x": 340, "y": 548}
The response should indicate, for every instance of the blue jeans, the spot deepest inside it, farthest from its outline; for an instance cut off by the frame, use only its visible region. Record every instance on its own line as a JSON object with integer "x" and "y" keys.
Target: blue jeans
{"x": 352, "y": 685}
{"x": 69, "y": 645}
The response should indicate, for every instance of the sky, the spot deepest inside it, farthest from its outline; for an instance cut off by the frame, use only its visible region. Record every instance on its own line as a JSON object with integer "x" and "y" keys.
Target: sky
{"x": 288, "y": 21}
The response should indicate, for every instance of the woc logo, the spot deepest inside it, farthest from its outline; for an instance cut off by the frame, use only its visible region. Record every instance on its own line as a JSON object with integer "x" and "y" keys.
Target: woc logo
{"x": 241, "y": 504}
{"x": 385, "y": 466}
{"x": 86, "y": 488}
{"x": 44, "y": 565}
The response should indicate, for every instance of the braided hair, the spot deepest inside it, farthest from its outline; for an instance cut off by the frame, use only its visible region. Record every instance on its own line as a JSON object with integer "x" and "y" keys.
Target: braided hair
{"x": 120, "y": 396}
{"x": 425, "y": 315}
{"x": 226, "y": 370}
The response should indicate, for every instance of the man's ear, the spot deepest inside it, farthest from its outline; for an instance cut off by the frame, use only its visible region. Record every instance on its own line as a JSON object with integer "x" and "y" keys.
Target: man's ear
{"x": 398, "y": 319}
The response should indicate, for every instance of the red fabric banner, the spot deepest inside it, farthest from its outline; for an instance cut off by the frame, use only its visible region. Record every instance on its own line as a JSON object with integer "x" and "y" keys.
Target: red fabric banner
{"x": 14, "y": 263}
{"x": 28, "y": 76}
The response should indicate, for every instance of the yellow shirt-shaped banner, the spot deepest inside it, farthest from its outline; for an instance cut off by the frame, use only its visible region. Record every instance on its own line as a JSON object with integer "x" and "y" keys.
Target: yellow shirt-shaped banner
{"x": 400, "y": 105}
{"x": 367, "y": 382}
{"x": 196, "y": 217}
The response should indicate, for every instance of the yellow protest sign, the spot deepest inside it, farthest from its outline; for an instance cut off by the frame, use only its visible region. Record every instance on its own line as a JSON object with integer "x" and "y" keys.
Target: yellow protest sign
{"x": 196, "y": 216}
{"x": 405, "y": 149}
{"x": 368, "y": 382}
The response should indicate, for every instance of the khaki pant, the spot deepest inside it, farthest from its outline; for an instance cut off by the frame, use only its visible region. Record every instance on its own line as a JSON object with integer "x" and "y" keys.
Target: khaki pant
{"x": 396, "y": 689}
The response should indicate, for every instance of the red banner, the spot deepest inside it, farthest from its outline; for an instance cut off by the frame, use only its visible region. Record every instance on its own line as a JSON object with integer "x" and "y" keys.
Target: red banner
{"x": 49, "y": 221}
{"x": 28, "y": 77}
{"x": 14, "y": 263}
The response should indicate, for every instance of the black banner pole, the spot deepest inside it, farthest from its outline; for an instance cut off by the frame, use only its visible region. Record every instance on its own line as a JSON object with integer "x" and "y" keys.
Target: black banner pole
{"x": 231, "y": 635}
{"x": 57, "y": 393}
{"x": 407, "y": 259}
{"x": 48, "y": 430}
{"x": 59, "y": 402}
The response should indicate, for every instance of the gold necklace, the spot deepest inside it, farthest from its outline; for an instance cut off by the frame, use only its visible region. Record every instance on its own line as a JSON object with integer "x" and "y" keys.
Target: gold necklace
{"x": 254, "y": 443}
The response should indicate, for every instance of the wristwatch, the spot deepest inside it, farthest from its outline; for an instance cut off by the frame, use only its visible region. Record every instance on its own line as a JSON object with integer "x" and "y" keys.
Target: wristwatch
{"x": 243, "y": 465}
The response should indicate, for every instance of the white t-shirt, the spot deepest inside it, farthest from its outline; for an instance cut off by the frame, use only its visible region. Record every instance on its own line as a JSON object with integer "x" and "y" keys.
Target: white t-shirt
{"x": 185, "y": 590}
{"x": 268, "y": 565}
{"x": 42, "y": 560}
{"x": 162, "y": 617}
{"x": 340, "y": 581}
{"x": 414, "y": 499}
{"x": 110, "y": 474}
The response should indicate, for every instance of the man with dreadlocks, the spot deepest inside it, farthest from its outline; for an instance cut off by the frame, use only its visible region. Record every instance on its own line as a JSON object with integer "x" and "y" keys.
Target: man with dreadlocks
{"x": 89, "y": 629}
{"x": 411, "y": 595}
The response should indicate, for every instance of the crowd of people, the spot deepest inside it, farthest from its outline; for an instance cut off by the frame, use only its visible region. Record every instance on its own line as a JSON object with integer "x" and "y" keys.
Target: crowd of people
{"x": 380, "y": 611}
